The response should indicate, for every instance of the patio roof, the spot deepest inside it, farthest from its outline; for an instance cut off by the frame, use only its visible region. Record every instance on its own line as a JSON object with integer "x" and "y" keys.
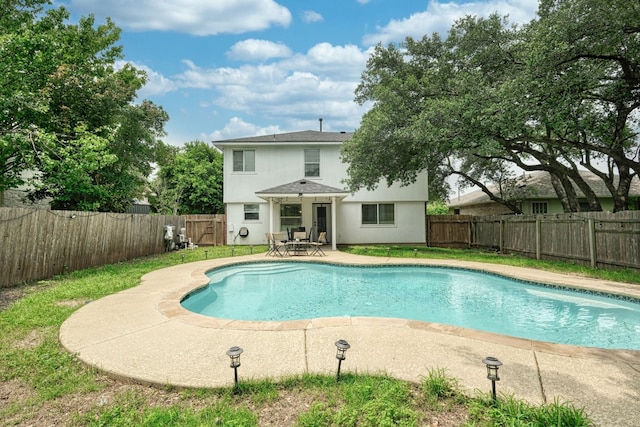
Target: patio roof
{"x": 300, "y": 188}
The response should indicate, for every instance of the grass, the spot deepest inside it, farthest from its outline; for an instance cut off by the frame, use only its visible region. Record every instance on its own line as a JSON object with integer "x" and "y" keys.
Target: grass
{"x": 41, "y": 378}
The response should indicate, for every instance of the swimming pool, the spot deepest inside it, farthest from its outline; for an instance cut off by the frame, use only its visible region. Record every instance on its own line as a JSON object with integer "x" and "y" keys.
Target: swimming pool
{"x": 276, "y": 291}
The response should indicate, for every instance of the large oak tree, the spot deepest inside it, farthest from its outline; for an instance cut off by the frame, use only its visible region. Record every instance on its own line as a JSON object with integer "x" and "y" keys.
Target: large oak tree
{"x": 557, "y": 94}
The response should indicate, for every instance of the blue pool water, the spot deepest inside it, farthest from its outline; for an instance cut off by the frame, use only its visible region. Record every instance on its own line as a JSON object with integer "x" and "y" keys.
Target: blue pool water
{"x": 289, "y": 291}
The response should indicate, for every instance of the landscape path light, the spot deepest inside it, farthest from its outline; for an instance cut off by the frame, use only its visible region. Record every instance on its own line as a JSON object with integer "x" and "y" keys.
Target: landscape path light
{"x": 234, "y": 354}
{"x": 342, "y": 347}
{"x": 493, "y": 364}
{"x": 206, "y": 254}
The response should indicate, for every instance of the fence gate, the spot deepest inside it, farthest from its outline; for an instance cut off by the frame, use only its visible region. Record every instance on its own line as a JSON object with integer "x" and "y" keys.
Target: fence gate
{"x": 207, "y": 230}
{"x": 449, "y": 231}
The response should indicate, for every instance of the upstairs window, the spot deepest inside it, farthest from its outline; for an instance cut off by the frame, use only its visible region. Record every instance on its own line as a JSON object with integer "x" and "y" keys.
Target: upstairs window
{"x": 378, "y": 214}
{"x": 244, "y": 160}
{"x": 311, "y": 163}
{"x": 538, "y": 208}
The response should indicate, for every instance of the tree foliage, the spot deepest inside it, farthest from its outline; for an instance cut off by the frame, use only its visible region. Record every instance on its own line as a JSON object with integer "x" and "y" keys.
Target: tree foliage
{"x": 67, "y": 110}
{"x": 189, "y": 180}
{"x": 557, "y": 94}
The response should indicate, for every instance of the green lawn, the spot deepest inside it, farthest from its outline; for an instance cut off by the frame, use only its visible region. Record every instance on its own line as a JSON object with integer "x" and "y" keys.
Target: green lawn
{"x": 42, "y": 384}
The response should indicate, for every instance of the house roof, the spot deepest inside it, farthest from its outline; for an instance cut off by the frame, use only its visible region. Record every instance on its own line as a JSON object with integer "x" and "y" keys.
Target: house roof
{"x": 307, "y": 136}
{"x": 304, "y": 187}
{"x": 540, "y": 181}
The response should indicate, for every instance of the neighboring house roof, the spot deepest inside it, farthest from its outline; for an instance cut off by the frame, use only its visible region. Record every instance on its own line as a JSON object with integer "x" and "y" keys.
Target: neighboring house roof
{"x": 540, "y": 182}
{"x": 301, "y": 187}
{"x": 307, "y": 136}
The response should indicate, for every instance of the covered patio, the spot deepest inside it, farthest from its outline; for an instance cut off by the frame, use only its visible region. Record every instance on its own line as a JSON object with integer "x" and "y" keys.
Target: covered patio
{"x": 318, "y": 205}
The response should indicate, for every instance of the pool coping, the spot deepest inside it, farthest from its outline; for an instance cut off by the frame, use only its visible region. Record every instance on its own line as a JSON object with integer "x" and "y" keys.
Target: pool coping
{"x": 144, "y": 335}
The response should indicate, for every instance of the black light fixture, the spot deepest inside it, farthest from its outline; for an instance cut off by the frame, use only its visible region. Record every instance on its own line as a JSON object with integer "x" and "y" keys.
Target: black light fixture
{"x": 206, "y": 254}
{"x": 233, "y": 249}
{"x": 234, "y": 354}
{"x": 493, "y": 364}
{"x": 342, "y": 347}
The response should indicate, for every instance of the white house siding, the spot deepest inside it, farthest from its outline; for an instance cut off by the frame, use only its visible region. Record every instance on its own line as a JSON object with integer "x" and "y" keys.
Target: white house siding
{"x": 409, "y": 226}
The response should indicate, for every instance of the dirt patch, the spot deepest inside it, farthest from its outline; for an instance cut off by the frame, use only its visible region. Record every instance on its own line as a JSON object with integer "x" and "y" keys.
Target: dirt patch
{"x": 10, "y": 295}
{"x": 32, "y": 340}
{"x": 71, "y": 303}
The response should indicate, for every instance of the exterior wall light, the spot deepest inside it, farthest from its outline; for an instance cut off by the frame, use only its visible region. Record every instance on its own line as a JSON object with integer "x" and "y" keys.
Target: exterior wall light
{"x": 492, "y": 372}
{"x": 342, "y": 347}
{"x": 234, "y": 354}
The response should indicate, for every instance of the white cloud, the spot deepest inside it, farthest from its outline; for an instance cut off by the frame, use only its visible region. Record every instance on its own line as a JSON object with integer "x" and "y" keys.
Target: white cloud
{"x": 311, "y": 16}
{"x": 258, "y": 50}
{"x": 439, "y": 17}
{"x": 198, "y": 17}
{"x": 157, "y": 84}
{"x": 238, "y": 128}
{"x": 297, "y": 90}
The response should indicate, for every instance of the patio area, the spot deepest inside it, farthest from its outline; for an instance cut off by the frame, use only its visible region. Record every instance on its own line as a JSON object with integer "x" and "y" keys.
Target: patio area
{"x": 143, "y": 334}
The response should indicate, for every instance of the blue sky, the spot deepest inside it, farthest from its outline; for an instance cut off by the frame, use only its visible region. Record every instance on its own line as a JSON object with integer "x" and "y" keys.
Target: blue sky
{"x": 236, "y": 68}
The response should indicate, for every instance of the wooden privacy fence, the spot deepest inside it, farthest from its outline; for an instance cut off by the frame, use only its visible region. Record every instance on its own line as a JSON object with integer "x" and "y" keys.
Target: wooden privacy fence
{"x": 598, "y": 239}
{"x": 38, "y": 244}
{"x": 207, "y": 230}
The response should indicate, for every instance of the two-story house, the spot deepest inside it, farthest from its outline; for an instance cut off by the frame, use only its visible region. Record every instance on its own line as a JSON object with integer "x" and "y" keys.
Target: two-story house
{"x": 280, "y": 182}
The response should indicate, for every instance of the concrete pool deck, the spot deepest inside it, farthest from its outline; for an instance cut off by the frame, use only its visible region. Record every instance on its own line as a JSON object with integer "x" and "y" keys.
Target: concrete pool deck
{"x": 144, "y": 335}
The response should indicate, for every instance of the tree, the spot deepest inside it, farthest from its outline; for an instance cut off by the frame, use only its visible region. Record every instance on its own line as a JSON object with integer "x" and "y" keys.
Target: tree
{"x": 65, "y": 107}
{"x": 490, "y": 97}
{"x": 437, "y": 207}
{"x": 189, "y": 180}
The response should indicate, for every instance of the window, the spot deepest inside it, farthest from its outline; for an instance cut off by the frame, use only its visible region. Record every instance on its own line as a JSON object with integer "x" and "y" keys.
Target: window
{"x": 378, "y": 214}
{"x": 311, "y": 163}
{"x": 244, "y": 160}
{"x": 585, "y": 207}
{"x": 290, "y": 216}
{"x": 538, "y": 207}
{"x": 252, "y": 212}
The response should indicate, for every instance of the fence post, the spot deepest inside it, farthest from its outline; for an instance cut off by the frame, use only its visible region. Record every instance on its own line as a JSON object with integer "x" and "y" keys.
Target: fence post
{"x": 538, "y": 226}
{"x": 592, "y": 242}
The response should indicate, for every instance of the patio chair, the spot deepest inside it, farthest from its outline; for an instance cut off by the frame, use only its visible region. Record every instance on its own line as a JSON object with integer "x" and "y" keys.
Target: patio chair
{"x": 317, "y": 246}
{"x": 270, "y": 243}
{"x": 279, "y": 244}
